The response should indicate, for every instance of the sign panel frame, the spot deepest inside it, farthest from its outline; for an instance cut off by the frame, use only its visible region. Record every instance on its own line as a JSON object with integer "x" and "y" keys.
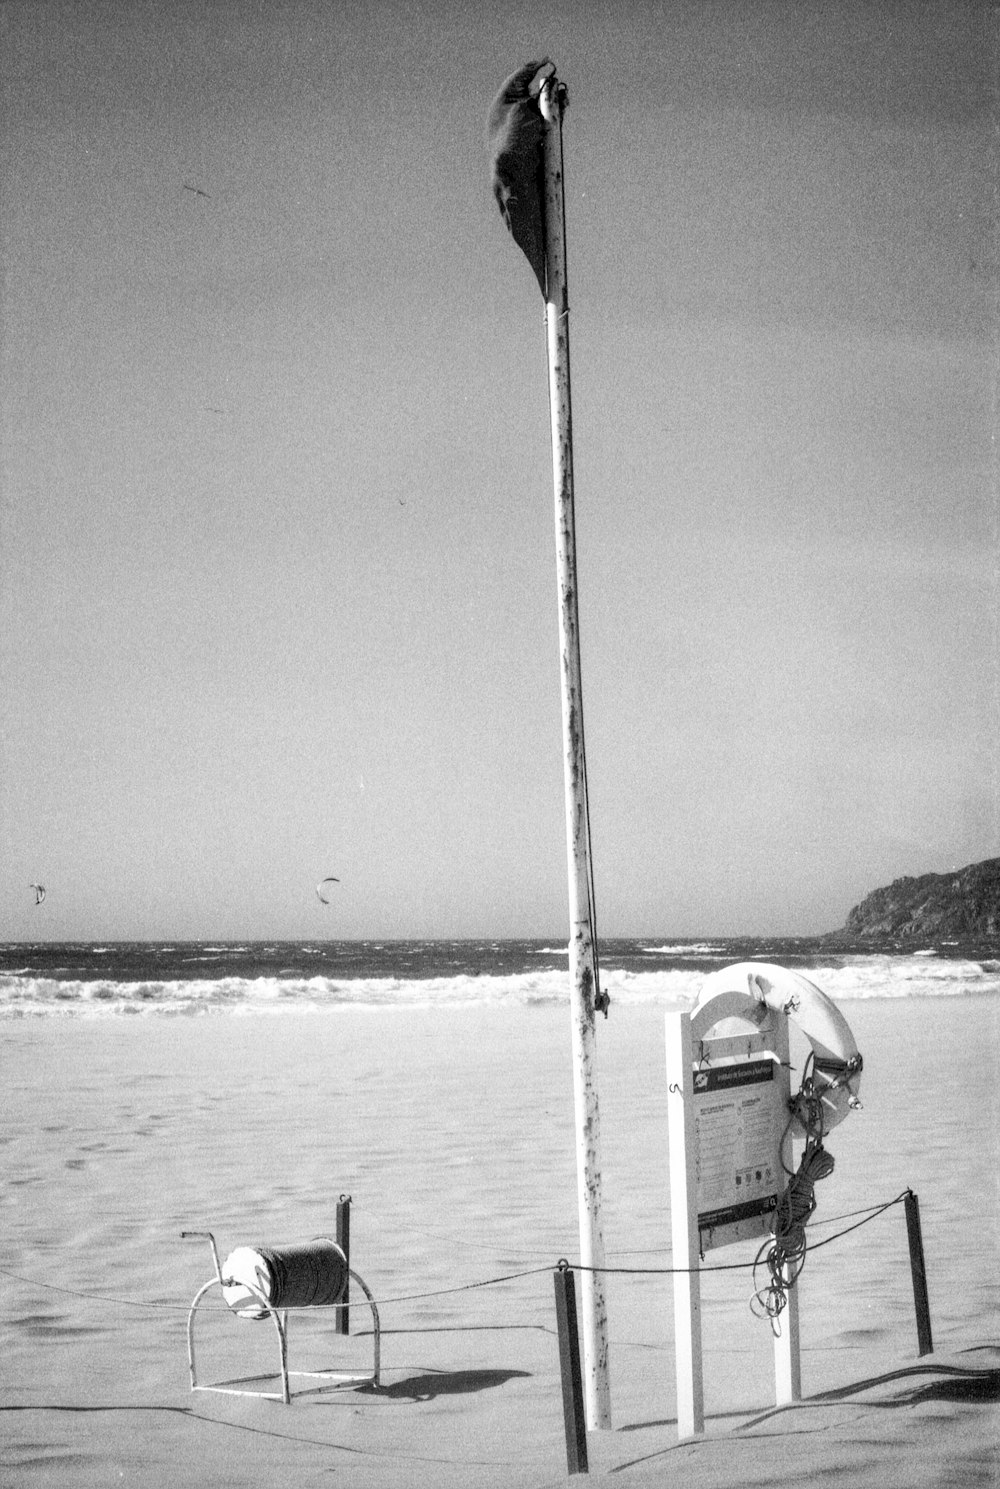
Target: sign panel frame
{"x": 694, "y": 1230}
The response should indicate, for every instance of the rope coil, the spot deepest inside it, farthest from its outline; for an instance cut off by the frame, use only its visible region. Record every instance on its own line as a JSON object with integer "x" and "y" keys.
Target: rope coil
{"x": 307, "y": 1274}
{"x": 785, "y": 1255}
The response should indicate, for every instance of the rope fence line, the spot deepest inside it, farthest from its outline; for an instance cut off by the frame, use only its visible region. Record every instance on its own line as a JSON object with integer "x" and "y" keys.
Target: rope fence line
{"x": 871, "y": 1214}
{"x": 537, "y": 1251}
{"x": 900, "y": 1199}
{"x": 741, "y": 1266}
{"x": 53, "y": 1287}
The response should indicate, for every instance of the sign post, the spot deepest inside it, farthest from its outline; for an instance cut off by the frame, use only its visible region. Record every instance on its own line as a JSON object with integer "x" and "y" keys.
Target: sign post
{"x": 728, "y": 1110}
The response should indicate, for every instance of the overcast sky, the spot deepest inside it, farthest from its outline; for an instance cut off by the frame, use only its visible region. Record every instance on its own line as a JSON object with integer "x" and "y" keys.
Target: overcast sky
{"x": 278, "y": 565}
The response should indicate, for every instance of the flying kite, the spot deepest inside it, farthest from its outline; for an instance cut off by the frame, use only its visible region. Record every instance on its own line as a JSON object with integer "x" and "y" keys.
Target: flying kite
{"x": 319, "y": 887}
{"x": 39, "y": 892}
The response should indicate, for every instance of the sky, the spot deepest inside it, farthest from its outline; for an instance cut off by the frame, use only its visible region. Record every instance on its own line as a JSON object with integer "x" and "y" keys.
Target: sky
{"x": 277, "y": 560}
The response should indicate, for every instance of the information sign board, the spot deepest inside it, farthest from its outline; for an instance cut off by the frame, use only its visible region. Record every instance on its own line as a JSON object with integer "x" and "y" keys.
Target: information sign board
{"x": 738, "y": 1120}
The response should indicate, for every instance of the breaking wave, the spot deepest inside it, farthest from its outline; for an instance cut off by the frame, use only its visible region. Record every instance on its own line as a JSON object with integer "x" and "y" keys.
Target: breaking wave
{"x": 25, "y": 994}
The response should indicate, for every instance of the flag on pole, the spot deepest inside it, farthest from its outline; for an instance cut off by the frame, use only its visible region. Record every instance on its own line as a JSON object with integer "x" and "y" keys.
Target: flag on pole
{"x": 516, "y": 131}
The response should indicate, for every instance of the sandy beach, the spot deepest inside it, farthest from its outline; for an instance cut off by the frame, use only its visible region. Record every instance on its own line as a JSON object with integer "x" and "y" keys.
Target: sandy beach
{"x": 452, "y": 1132}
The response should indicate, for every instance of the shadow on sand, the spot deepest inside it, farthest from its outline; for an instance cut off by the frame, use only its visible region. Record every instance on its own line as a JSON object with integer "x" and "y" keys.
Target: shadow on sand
{"x": 447, "y": 1383}
{"x": 954, "y": 1383}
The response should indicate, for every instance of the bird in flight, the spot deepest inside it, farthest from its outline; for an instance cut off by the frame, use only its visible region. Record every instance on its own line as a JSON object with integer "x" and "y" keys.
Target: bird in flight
{"x": 196, "y": 189}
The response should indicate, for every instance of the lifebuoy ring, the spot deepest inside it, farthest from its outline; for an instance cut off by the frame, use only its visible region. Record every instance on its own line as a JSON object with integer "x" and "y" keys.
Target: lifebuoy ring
{"x": 835, "y": 1074}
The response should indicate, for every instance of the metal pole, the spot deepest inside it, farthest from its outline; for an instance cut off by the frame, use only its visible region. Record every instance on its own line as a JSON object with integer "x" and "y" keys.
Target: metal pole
{"x": 925, "y": 1344}
{"x": 582, "y": 956}
{"x": 343, "y": 1324}
{"x": 569, "y": 1370}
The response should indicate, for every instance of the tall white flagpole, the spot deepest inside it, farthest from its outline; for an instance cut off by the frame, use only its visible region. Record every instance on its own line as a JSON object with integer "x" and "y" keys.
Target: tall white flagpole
{"x": 584, "y": 989}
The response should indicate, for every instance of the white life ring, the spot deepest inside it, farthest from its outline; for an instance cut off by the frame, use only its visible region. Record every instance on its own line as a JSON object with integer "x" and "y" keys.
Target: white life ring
{"x": 836, "y": 1060}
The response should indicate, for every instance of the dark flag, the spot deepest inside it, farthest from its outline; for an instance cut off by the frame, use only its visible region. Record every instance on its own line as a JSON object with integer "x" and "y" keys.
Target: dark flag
{"x": 515, "y": 132}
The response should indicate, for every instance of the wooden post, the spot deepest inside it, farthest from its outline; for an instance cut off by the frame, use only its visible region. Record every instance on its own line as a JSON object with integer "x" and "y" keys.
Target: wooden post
{"x": 584, "y": 989}
{"x": 925, "y": 1344}
{"x": 343, "y": 1325}
{"x": 569, "y": 1369}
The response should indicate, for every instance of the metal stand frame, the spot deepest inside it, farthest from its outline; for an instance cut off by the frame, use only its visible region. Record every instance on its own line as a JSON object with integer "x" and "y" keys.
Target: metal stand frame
{"x": 335, "y": 1379}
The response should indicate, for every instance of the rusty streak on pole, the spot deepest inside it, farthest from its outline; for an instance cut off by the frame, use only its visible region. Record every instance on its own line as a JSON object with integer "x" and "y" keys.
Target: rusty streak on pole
{"x": 584, "y": 989}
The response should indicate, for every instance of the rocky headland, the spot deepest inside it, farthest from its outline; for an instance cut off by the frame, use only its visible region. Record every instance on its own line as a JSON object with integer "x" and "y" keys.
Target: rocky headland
{"x": 964, "y": 903}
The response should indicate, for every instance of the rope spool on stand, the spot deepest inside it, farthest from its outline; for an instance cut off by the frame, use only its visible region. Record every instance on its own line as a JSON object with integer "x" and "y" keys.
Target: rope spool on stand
{"x": 311, "y": 1274}
{"x": 260, "y": 1282}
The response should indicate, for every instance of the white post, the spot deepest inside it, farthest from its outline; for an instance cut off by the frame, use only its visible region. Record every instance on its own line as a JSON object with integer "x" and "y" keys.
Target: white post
{"x": 582, "y": 960}
{"x": 787, "y": 1366}
{"x": 684, "y": 1239}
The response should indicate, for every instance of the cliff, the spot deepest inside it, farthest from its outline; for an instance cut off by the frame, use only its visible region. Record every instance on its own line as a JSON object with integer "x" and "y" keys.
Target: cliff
{"x": 961, "y": 904}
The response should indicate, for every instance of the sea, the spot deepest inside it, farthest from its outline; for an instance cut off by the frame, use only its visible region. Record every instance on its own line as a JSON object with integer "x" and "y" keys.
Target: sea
{"x": 205, "y": 978}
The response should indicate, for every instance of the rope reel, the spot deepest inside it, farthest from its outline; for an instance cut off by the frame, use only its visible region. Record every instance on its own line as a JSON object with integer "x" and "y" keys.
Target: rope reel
{"x": 305, "y": 1274}
{"x": 269, "y": 1282}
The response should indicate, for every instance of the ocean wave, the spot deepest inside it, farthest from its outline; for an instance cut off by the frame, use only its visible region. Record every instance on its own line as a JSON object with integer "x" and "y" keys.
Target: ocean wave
{"x": 857, "y": 977}
{"x": 25, "y": 996}
{"x": 694, "y": 950}
{"x": 21, "y": 995}
{"x": 879, "y": 976}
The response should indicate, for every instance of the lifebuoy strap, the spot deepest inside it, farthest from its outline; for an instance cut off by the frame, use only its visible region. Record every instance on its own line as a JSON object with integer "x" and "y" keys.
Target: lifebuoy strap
{"x": 838, "y": 1072}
